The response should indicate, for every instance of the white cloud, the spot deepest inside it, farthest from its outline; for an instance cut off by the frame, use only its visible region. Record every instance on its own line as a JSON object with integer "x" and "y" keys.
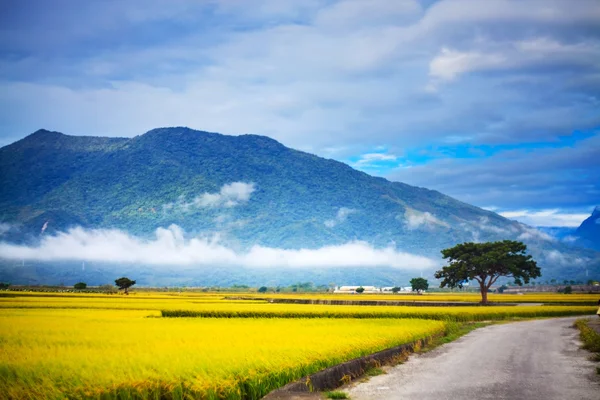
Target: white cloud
{"x": 570, "y": 239}
{"x": 370, "y": 159}
{"x": 340, "y": 217}
{"x": 415, "y": 219}
{"x": 484, "y": 225}
{"x": 230, "y": 195}
{"x": 449, "y": 64}
{"x": 546, "y": 217}
{"x": 4, "y": 227}
{"x": 534, "y": 234}
{"x": 171, "y": 248}
{"x": 556, "y": 257}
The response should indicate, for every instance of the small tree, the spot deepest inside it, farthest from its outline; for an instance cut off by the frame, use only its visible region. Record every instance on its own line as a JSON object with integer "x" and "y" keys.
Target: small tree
{"x": 485, "y": 263}
{"x": 395, "y": 289}
{"x": 262, "y": 289}
{"x": 568, "y": 290}
{"x": 80, "y": 285}
{"x": 124, "y": 284}
{"x": 4, "y": 285}
{"x": 419, "y": 284}
{"x": 360, "y": 289}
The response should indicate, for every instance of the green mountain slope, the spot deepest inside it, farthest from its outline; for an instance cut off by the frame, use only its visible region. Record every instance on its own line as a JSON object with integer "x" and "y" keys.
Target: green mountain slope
{"x": 298, "y": 200}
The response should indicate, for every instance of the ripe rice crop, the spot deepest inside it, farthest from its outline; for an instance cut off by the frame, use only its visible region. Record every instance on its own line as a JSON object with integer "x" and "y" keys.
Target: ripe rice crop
{"x": 110, "y": 354}
{"x": 589, "y": 299}
{"x": 131, "y": 302}
{"x": 461, "y": 314}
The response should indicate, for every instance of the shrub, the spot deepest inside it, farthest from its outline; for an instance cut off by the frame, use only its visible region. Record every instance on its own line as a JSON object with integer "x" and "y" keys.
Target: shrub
{"x": 262, "y": 289}
{"x": 359, "y": 290}
{"x": 80, "y": 286}
{"x": 568, "y": 290}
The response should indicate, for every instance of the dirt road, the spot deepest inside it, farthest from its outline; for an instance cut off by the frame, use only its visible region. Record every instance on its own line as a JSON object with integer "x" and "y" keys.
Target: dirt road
{"x": 537, "y": 359}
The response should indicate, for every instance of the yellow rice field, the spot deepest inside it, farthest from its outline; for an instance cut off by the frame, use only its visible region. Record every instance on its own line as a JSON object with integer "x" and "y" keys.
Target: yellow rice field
{"x": 57, "y": 353}
{"x": 441, "y": 297}
{"x": 74, "y": 345}
{"x": 547, "y": 297}
{"x": 213, "y": 307}
{"x": 461, "y": 314}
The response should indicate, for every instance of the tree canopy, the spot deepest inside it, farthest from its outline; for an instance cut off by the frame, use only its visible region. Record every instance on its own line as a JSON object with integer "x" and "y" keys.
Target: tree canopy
{"x": 124, "y": 283}
{"x": 419, "y": 284}
{"x": 485, "y": 263}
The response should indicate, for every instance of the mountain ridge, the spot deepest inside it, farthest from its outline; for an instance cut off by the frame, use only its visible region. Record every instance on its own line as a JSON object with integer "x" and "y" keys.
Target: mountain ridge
{"x": 588, "y": 232}
{"x": 296, "y": 200}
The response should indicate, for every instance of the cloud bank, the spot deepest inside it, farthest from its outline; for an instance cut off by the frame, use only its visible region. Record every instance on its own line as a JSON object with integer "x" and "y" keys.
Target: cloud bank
{"x": 546, "y": 217}
{"x": 170, "y": 247}
{"x": 230, "y": 195}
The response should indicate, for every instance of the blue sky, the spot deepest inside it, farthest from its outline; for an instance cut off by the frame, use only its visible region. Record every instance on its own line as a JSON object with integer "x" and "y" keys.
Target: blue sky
{"x": 494, "y": 102}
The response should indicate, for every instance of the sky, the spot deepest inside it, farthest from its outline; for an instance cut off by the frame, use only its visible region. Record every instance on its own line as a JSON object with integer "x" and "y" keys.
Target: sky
{"x": 495, "y": 102}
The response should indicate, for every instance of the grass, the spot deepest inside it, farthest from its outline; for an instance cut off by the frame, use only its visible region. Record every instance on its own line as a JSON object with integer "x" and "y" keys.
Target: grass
{"x": 114, "y": 354}
{"x": 336, "y": 395}
{"x": 374, "y": 372}
{"x": 589, "y": 337}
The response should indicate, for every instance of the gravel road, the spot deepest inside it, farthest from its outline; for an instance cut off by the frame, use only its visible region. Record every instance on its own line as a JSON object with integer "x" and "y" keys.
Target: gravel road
{"x": 537, "y": 359}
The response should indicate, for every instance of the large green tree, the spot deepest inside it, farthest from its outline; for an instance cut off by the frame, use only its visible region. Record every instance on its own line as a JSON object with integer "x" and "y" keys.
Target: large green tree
{"x": 485, "y": 263}
{"x": 419, "y": 284}
{"x": 124, "y": 284}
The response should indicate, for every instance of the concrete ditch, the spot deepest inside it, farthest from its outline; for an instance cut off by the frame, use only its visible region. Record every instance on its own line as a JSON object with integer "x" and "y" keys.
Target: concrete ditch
{"x": 338, "y": 375}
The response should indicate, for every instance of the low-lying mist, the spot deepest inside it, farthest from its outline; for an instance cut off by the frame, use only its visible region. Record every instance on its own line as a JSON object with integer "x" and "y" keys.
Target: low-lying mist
{"x": 172, "y": 247}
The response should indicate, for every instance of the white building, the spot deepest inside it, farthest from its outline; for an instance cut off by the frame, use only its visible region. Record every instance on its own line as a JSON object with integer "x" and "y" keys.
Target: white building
{"x": 369, "y": 289}
{"x": 352, "y": 289}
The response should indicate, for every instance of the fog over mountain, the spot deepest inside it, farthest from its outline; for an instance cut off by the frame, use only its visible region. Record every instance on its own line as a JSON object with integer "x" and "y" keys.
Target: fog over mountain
{"x": 179, "y": 206}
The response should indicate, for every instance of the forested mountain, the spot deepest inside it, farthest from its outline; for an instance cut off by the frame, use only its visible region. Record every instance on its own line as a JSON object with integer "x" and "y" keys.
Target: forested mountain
{"x": 589, "y": 230}
{"x": 249, "y": 189}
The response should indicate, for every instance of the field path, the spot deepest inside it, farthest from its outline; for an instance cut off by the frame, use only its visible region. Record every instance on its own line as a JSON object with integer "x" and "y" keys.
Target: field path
{"x": 537, "y": 359}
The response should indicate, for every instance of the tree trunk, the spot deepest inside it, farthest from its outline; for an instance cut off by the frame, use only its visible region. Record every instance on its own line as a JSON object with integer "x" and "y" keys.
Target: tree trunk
{"x": 484, "y": 292}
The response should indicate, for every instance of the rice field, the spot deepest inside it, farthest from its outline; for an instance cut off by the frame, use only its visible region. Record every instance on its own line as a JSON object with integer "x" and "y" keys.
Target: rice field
{"x": 55, "y": 354}
{"x": 196, "y": 345}
{"x": 585, "y": 298}
{"x": 460, "y": 314}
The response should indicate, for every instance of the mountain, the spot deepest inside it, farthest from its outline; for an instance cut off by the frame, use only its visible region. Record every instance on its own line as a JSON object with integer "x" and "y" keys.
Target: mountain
{"x": 589, "y": 230}
{"x": 248, "y": 189}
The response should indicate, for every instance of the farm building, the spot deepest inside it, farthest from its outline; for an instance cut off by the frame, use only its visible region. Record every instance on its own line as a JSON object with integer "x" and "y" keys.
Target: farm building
{"x": 352, "y": 289}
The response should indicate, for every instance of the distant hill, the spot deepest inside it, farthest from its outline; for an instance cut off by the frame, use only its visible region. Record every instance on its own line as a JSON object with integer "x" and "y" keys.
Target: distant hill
{"x": 589, "y": 230}
{"x": 250, "y": 190}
